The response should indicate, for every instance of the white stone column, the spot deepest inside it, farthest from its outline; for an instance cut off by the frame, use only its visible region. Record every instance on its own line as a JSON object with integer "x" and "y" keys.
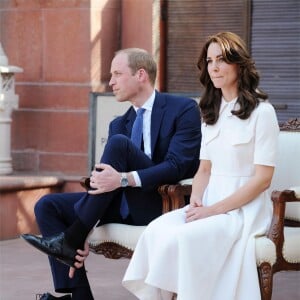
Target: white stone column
{"x": 8, "y": 102}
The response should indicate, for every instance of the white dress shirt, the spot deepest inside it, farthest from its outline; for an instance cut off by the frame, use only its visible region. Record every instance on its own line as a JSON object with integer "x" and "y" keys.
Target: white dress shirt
{"x": 146, "y": 132}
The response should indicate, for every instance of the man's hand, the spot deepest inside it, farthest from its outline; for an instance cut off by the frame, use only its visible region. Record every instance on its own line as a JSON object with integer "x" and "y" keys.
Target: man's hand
{"x": 106, "y": 180}
{"x": 80, "y": 258}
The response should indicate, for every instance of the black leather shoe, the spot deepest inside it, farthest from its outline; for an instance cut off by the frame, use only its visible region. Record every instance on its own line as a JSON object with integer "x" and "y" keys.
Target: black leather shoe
{"x": 48, "y": 296}
{"x": 55, "y": 246}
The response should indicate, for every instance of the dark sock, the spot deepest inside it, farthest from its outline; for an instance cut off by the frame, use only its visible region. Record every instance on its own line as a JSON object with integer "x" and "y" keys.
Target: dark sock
{"x": 76, "y": 234}
{"x": 81, "y": 293}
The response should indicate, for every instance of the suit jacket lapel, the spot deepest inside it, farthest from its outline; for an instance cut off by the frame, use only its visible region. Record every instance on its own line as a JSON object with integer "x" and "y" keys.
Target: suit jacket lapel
{"x": 158, "y": 111}
{"x": 129, "y": 121}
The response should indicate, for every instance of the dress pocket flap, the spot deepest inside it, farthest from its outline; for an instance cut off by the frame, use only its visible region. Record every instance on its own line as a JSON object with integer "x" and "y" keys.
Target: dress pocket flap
{"x": 241, "y": 137}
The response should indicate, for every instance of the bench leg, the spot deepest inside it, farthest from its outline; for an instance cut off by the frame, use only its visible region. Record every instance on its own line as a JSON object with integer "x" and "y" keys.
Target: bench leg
{"x": 265, "y": 275}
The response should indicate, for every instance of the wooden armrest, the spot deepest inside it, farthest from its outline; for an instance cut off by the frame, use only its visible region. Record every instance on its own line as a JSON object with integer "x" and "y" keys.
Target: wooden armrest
{"x": 276, "y": 231}
{"x": 163, "y": 190}
{"x": 177, "y": 194}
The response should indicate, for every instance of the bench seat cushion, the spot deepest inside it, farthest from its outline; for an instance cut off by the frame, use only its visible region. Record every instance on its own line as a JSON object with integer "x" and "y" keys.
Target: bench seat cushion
{"x": 292, "y": 211}
{"x": 266, "y": 252}
{"x": 124, "y": 235}
{"x": 128, "y": 235}
{"x": 291, "y": 244}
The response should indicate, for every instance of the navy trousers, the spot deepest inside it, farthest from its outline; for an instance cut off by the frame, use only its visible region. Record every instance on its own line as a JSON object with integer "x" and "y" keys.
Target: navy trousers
{"x": 56, "y": 212}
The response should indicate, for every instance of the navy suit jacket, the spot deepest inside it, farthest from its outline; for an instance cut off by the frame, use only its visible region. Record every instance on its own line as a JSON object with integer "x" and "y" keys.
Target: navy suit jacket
{"x": 175, "y": 147}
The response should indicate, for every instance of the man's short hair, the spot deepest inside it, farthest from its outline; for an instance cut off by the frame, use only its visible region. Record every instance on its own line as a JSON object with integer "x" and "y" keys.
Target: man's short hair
{"x": 141, "y": 59}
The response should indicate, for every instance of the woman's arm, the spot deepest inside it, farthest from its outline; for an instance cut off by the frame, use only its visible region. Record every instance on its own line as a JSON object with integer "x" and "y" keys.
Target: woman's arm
{"x": 200, "y": 182}
{"x": 255, "y": 186}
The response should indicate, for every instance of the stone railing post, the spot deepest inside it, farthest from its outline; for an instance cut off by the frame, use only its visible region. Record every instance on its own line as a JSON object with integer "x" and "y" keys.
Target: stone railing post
{"x": 8, "y": 102}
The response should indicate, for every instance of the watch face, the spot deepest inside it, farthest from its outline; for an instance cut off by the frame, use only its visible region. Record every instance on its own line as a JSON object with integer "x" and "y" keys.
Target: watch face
{"x": 124, "y": 182}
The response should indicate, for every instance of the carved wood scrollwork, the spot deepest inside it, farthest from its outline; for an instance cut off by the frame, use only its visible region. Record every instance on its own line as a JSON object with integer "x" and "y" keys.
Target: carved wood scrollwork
{"x": 111, "y": 250}
{"x": 291, "y": 125}
{"x": 274, "y": 234}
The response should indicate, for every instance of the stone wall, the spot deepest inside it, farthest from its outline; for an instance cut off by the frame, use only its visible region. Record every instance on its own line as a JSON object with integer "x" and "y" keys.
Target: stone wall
{"x": 65, "y": 48}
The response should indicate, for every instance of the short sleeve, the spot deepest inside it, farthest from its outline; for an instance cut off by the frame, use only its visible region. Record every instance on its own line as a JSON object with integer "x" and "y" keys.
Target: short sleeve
{"x": 203, "y": 149}
{"x": 266, "y": 135}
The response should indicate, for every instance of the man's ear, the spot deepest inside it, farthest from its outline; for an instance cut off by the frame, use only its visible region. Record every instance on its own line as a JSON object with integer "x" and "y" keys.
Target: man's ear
{"x": 142, "y": 75}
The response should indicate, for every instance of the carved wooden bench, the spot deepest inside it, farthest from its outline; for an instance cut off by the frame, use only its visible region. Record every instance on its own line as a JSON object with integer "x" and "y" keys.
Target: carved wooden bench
{"x": 278, "y": 250}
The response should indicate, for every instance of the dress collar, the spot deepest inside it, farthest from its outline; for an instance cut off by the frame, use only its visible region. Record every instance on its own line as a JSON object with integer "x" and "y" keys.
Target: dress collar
{"x": 228, "y": 105}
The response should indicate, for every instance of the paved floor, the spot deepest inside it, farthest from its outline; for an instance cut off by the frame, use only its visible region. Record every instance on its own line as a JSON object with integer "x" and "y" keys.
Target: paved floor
{"x": 24, "y": 273}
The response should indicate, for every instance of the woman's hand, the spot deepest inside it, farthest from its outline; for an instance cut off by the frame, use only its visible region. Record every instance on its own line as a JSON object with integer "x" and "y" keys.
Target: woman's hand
{"x": 195, "y": 212}
{"x": 195, "y": 201}
{"x": 80, "y": 258}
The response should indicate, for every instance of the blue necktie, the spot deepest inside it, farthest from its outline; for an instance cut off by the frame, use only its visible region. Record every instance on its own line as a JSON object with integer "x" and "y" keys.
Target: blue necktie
{"x": 137, "y": 128}
{"x": 136, "y": 137}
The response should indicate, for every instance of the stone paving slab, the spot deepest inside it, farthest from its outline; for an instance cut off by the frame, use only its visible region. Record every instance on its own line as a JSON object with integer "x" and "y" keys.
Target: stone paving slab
{"x": 24, "y": 273}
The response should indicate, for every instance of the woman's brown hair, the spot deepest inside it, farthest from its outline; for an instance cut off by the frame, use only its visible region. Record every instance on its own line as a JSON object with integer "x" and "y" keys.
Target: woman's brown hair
{"x": 234, "y": 51}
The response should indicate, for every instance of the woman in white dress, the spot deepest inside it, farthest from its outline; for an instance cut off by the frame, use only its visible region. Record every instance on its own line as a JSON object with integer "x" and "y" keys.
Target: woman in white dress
{"x": 206, "y": 251}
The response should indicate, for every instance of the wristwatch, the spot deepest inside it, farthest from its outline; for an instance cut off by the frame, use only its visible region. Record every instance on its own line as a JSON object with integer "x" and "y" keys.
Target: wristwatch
{"x": 124, "y": 180}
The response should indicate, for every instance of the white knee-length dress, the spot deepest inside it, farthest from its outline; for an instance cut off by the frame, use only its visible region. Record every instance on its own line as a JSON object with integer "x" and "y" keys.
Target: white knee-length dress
{"x": 212, "y": 258}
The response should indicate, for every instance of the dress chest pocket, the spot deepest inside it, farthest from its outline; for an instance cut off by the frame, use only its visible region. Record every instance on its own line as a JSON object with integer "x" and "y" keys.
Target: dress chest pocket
{"x": 241, "y": 136}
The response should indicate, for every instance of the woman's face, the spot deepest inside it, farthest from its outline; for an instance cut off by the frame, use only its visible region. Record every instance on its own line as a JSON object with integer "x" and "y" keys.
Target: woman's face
{"x": 223, "y": 75}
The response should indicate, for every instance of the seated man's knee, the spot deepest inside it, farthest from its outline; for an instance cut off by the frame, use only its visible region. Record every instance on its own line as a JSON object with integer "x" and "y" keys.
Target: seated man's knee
{"x": 43, "y": 205}
{"x": 117, "y": 142}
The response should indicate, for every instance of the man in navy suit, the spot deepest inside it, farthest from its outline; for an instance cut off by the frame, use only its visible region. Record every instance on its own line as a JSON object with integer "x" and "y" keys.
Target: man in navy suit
{"x": 128, "y": 174}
